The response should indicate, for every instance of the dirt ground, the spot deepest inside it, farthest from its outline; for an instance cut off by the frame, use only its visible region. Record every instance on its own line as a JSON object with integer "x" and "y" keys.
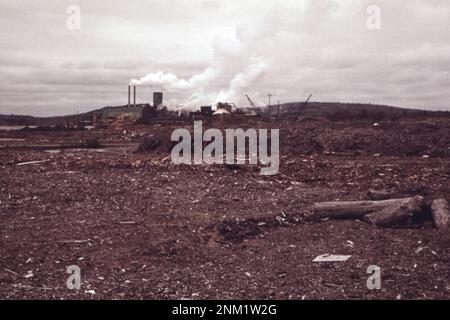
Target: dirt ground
{"x": 140, "y": 227}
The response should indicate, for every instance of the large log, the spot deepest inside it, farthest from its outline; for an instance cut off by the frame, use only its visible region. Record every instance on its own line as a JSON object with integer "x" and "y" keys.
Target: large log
{"x": 379, "y": 194}
{"x": 396, "y": 213}
{"x": 354, "y": 209}
{"x": 441, "y": 213}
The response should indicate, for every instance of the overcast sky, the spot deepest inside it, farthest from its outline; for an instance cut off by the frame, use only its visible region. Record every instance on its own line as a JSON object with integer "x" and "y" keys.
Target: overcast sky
{"x": 202, "y": 51}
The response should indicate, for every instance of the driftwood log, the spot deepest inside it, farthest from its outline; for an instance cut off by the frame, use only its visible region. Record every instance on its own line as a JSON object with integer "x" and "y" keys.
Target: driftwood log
{"x": 382, "y": 213}
{"x": 379, "y": 194}
{"x": 441, "y": 213}
{"x": 397, "y": 212}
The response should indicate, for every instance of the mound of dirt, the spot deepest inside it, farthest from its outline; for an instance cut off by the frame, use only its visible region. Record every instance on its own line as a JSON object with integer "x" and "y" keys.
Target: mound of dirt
{"x": 385, "y": 138}
{"x": 155, "y": 144}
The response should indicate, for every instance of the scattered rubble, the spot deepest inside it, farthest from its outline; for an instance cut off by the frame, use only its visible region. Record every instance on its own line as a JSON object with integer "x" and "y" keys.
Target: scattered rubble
{"x": 148, "y": 229}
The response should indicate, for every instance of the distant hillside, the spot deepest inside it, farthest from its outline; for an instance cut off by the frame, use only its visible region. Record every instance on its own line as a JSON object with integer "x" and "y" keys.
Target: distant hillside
{"x": 345, "y": 111}
{"x": 330, "y": 110}
{"x": 18, "y": 120}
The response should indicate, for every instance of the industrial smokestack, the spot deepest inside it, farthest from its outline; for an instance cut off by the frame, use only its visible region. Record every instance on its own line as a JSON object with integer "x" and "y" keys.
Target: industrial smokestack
{"x": 129, "y": 96}
{"x": 134, "y": 96}
{"x": 157, "y": 99}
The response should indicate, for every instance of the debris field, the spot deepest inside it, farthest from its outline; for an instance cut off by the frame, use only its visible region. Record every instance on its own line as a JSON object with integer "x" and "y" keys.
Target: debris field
{"x": 140, "y": 227}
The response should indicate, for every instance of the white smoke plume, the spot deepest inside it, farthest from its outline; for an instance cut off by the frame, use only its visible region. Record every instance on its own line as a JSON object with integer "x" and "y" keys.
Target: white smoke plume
{"x": 241, "y": 61}
{"x": 233, "y": 71}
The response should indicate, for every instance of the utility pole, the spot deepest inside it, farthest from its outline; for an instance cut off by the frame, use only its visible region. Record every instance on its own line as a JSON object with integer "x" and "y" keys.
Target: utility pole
{"x": 279, "y": 110}
{"x": 80, "y": 126}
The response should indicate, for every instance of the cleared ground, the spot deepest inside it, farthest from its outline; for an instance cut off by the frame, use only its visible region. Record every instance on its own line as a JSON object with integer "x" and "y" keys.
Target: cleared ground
{"x": 140, "y": 227}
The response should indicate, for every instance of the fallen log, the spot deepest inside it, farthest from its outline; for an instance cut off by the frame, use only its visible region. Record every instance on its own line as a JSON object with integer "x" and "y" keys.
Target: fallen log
{"x": 396, "y": 213}
{"x": 353, "y": 209}
{"x": 441, "y": 213}
{"x": 379, "y": 194}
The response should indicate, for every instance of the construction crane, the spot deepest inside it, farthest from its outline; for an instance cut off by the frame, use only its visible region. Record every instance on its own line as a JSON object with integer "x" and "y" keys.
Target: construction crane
{"x": 252, "y": 104}
{"x": 302, "y": 107}
{"x": 256, "y": 109}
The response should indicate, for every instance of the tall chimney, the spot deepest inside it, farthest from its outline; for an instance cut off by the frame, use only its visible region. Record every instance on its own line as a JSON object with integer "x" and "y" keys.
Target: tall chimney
{"x": 129, "y": 96}
{"x": 157, "y": 99}
{"x": 134, "y": 96}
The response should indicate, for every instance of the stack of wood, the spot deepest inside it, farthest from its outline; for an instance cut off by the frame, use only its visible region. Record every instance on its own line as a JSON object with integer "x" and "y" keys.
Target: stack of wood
{"x": 385, "y": 212}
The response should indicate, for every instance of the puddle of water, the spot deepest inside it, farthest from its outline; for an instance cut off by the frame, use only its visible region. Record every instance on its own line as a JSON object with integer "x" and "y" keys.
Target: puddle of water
{"x": 11, "y": 139}
{"x": 74, "y": 150}
{"x": 9, "y": 128}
